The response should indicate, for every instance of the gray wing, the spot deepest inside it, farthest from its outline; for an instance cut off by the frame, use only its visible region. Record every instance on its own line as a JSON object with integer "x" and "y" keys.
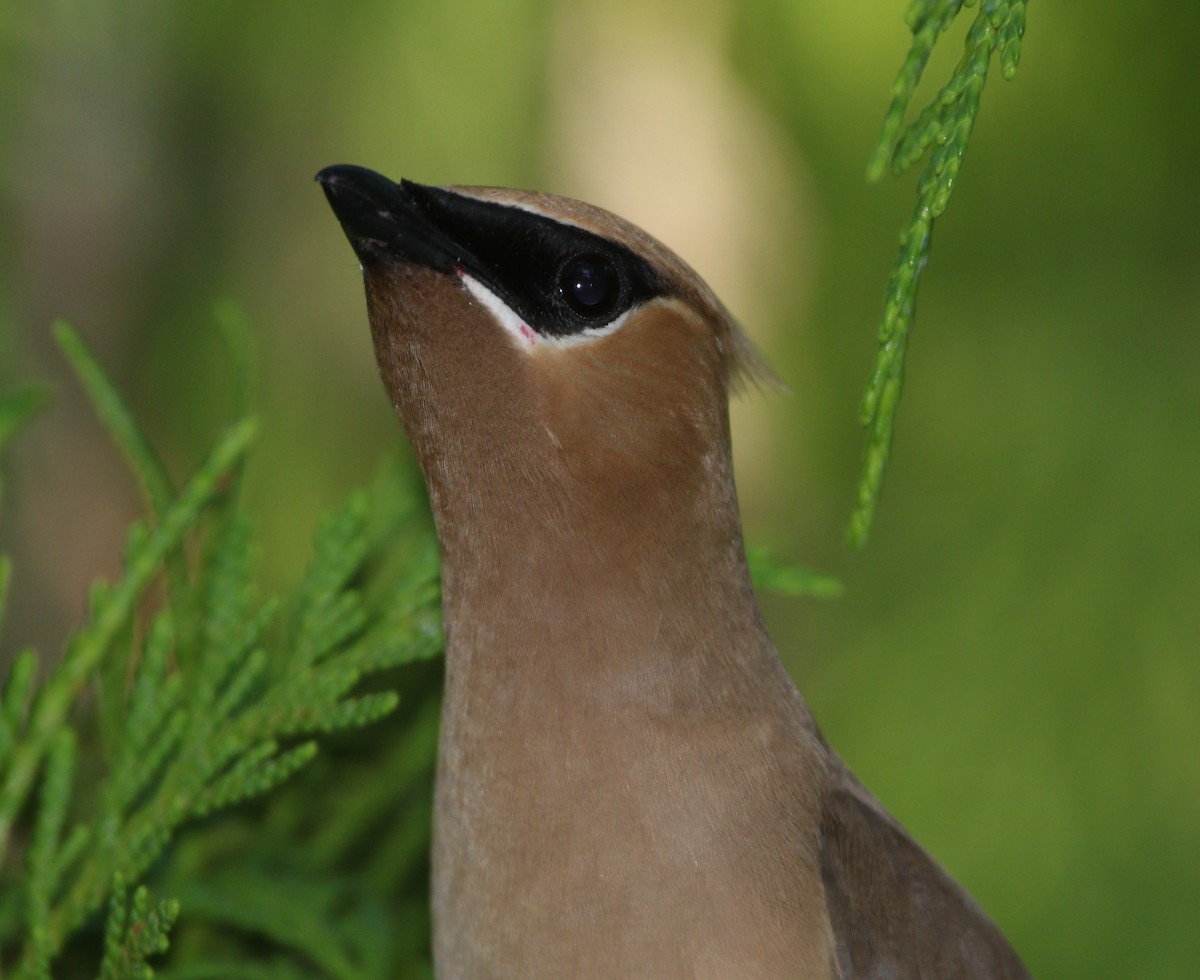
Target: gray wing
{"x": 895, "y": 913}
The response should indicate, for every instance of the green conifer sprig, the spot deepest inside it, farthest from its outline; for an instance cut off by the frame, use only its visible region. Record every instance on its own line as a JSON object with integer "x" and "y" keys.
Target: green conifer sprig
{"x": 133, "y": 932}
{"x": 45, "y": 869}
{"x": 111, "y": 608}
{"x": 117, "y": 418}
{"x": 771, "y": 574}
{"x": 214, "y": 698}
{"x": 941, "y": 129}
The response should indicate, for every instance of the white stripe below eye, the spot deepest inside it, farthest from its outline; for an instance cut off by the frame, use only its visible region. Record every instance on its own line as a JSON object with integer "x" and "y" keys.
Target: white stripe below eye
{"x": 502, "y": 312}
{"x": 522, "y": 331}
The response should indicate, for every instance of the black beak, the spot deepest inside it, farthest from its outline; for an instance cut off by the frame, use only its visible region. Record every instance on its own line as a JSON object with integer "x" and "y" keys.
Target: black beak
{"x": 384, "y": 219}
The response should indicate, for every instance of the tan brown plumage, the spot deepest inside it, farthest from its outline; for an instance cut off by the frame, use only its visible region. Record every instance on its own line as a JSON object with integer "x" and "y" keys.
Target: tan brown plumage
{"x": 628, "y": 783}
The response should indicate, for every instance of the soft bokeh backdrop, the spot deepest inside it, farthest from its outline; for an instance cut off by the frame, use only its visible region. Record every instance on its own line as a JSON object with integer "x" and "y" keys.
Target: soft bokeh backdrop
{"x": 1014, "y": 667}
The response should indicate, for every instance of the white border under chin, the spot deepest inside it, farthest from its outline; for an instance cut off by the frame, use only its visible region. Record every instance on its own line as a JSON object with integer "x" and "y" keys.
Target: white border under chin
{"x": 521, "y": 331}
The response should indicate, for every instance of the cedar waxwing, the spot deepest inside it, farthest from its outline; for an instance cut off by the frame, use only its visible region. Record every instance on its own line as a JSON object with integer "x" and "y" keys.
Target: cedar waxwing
{"x": 629, "y": 783}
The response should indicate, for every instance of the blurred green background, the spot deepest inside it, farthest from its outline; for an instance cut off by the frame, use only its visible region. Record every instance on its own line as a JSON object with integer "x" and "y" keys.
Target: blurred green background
{"x": 1014, "y": 669}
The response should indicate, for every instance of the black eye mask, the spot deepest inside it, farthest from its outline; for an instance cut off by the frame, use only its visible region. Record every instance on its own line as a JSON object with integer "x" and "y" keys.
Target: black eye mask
{"x": 561, "y": 280}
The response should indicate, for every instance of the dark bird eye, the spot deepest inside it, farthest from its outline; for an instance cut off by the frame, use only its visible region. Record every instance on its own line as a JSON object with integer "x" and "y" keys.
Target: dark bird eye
{"x": 590, "y": 285}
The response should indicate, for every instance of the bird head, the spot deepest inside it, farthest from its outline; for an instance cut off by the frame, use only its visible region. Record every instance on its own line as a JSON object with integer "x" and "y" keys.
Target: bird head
{"x": 544, "y": 355}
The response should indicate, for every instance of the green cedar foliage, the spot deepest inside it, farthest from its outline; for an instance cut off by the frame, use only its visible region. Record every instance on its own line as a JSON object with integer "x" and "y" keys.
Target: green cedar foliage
{"x": 942, "y": 130}
{"x": 183, "y": 695}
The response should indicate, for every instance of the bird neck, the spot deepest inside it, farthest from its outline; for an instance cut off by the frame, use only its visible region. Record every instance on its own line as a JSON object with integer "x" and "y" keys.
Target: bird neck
{"x": 563, "y": 586}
